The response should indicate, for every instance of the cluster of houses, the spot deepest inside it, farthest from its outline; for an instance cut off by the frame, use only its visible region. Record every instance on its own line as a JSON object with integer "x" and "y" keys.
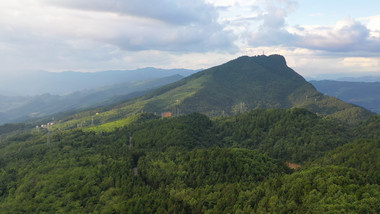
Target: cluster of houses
{"x": 45, "y": 126}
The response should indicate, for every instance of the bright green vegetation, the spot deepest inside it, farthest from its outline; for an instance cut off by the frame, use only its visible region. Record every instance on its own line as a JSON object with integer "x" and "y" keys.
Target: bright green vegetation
{"x": 194, "y": 164}
{"x": 112, "y": 126}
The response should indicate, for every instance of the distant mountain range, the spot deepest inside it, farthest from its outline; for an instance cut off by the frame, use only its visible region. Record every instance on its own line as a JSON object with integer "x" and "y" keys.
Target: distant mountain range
{"x": 366, "y": 94}
{"x": 360, "y": 79}
{"x": 20, "y": 108}
{"x": 346, "y": 77}
{"x": 63, "y": 83}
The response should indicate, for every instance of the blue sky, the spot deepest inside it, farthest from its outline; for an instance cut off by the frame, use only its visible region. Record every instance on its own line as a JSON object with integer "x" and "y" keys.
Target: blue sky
{"x": 316, "y": 37}
{"x": 331, "y": 11}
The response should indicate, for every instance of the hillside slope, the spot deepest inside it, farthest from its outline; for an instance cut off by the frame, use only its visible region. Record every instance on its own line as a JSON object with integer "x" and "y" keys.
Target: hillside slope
{"x": 242, "y": 84}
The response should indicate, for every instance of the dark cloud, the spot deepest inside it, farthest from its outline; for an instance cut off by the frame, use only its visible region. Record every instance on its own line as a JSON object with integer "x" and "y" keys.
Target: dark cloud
{"x": 184, "y": 39}
{"x": 181, "y": 12}
{"x": 166, "y": 25}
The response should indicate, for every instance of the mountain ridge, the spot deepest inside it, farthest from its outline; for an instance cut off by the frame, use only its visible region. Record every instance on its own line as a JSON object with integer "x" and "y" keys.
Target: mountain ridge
{"x": 241, "y": 84}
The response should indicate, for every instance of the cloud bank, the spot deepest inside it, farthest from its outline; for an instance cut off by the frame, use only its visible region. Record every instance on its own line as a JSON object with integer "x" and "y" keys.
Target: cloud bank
{"x": 348, "y": 35}
{"x": 92, "y": 35}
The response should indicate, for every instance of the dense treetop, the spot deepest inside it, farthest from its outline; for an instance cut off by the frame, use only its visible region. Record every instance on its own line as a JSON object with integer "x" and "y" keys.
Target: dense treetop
{"x": 194, "y": 164}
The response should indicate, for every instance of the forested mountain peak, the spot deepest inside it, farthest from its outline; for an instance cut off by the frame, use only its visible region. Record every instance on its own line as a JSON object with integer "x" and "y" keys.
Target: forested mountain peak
{"x": 258, "y": 70}
{"x": 248, "y": 82}
{"x": 234, "y": 87}
{"x": 275, "y": 64}
{"x": 242, "y": 84}
{"x": 266, "y": 61}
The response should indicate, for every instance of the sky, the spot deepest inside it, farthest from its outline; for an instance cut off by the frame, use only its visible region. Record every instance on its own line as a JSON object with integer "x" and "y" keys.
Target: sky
{"x": 325, "y": 37}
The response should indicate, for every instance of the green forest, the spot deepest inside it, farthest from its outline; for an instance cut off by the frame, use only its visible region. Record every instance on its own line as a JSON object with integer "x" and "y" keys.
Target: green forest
{"x": 194, "y": 164}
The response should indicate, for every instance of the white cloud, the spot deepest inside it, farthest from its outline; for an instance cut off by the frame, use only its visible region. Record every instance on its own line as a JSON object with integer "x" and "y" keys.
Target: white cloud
{"x": 346, "y": 35}
{"x": 373, "y": 24}
{"x": 272, "y": 16}
{"x": 362, "y": 62}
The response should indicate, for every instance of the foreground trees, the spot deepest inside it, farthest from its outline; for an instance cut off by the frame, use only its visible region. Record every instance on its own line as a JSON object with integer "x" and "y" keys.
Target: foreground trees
{"x": 191, "y": 164}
